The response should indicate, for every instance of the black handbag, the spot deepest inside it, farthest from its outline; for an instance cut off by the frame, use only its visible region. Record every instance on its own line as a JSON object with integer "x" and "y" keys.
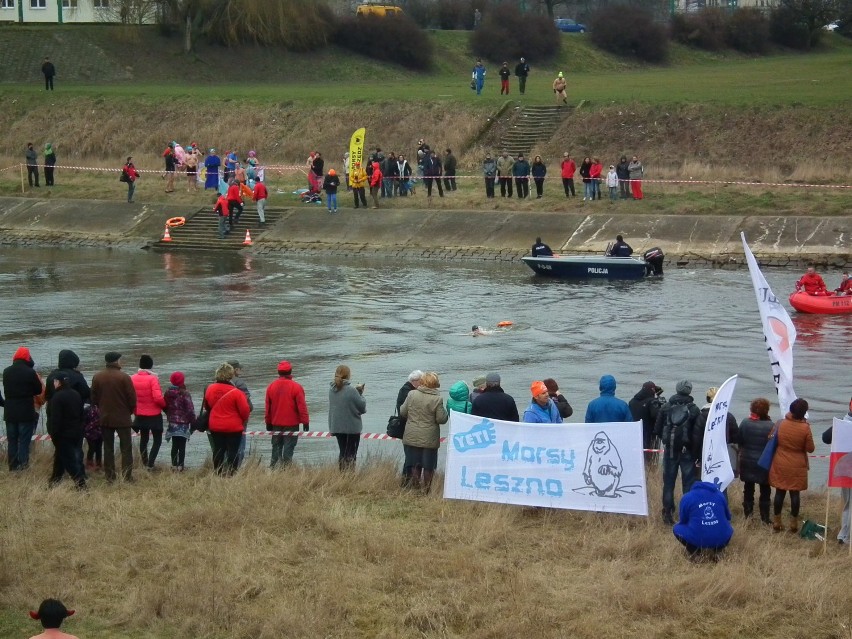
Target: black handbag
{"x": 396, "y": 425}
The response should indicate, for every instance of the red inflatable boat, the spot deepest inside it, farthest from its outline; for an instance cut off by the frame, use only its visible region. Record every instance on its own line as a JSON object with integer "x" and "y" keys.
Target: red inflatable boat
{"x": 833, "y": 305}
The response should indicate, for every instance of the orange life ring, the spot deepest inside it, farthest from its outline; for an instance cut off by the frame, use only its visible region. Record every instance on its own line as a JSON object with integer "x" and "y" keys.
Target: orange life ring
{"x": 175, "y": 221}
{"x": 504, "y": 323}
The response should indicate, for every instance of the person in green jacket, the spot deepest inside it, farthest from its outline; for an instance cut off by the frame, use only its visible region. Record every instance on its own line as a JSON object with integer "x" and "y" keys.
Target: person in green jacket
{"x": 459, "y": 399}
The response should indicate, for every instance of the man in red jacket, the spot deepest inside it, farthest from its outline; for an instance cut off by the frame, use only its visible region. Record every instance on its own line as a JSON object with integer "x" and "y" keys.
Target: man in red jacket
{"x": 285, "y": 411}
{"x": 845, "y": 287}
{"x": 569, "y": 168}
{"x": 812, "y": 283}
{"x": 235, "y": 203}
{"x": 259, "y": 195}
{"x": 220, "y": 208}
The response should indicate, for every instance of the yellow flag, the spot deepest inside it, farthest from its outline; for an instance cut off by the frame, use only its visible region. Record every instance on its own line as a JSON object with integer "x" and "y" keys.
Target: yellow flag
{"x": 356, "y": 149}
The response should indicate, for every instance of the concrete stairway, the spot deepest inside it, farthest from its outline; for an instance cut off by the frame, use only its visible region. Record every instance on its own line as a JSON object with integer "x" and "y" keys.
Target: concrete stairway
{"x": 533, "y": 124}
{"x": 200, "y": 232}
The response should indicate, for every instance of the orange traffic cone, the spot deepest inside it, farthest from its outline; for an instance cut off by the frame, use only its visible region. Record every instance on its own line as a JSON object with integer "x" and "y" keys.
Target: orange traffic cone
{"x": 247, "y": 241}
{"x": 167, "y": 236}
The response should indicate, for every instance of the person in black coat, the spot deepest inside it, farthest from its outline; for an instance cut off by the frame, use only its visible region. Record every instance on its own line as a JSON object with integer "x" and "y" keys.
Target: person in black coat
{"x": 21, "y": 385}
{"x": 494, "y": 402}
{"x": 66, "y": 409}
{"x": 645, "y": 407}
{"x": 752, "y": 437}
{"x": 565, "y": 410}
{"x": 67, "y": 363}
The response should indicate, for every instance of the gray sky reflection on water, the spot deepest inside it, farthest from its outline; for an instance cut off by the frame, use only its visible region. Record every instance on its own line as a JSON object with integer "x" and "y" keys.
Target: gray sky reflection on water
{"x": 384, "y": 318}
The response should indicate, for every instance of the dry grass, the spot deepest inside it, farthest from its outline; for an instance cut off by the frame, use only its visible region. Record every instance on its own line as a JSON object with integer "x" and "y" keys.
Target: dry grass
{"x": 313, "y": 553}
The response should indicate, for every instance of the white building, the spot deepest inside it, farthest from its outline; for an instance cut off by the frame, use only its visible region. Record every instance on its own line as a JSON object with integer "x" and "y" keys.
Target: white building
{"x": 75, "y": 11}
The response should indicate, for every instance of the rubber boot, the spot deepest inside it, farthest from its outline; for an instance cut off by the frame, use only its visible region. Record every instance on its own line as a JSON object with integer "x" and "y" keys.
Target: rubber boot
{"x": 776, "y": 523}
{"x": 764, "y": 513}
{"x": 794, "y": 524}
{"x": 748, "y": 509}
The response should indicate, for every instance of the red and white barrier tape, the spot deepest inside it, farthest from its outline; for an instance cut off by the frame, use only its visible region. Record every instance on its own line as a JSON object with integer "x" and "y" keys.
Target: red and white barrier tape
{"x": 319, "y": 434}
{"x": 302, "y": 169}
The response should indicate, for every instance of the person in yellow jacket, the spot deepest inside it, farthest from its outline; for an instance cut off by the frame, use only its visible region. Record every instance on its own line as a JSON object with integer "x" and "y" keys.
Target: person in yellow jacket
{"x": 358, "y": 181}
{"x": 559, "y": 86}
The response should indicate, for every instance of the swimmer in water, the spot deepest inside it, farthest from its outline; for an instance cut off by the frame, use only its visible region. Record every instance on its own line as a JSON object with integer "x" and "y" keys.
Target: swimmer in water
{"x": 477, "y": 331}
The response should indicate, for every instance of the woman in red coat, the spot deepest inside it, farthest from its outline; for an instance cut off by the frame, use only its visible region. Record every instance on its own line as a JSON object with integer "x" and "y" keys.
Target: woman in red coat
{"x": 789, "y": 470}
{"x": 229, "y": 412}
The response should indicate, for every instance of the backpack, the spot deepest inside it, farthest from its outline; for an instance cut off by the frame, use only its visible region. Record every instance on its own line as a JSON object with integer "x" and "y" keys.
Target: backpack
{"x": 124, "y": 177}
{"x": 677, "y": 423}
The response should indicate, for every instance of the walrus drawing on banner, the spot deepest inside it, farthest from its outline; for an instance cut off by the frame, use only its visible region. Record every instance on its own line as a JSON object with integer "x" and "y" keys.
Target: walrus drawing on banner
{"x": 603, "y": 470}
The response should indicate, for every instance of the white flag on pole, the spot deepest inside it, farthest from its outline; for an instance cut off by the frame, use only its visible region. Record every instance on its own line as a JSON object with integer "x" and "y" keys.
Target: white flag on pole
{"x": 778, "y": 331}
{"x": 715, "y": 461}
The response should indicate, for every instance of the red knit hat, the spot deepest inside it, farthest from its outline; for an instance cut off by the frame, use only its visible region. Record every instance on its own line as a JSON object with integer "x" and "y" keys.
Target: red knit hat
{"x": 22, "y": 353}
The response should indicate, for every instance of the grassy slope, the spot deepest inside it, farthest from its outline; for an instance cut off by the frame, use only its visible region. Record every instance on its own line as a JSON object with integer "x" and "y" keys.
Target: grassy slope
{"x": 783, "y": 117}
{"x": 312, "y": 553}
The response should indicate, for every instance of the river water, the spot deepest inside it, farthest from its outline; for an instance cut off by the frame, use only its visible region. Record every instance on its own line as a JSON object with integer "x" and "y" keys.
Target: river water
{"x": 384, "y": 318}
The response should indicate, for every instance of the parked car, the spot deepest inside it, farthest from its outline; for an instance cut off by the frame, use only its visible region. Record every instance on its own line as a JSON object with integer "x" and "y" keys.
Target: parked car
{"x": 567, "y": 25}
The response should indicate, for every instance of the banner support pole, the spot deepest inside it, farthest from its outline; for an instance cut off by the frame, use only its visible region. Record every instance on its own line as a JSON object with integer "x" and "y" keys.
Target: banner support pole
{"x": 825, "y": 529}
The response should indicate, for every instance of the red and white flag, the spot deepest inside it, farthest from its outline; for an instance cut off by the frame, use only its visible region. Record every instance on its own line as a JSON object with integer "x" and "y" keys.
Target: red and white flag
{"x": 840, "y": 463}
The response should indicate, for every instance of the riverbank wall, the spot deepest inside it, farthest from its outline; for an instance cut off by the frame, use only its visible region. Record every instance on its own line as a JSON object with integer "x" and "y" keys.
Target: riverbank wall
{"x": 446, "y": 235}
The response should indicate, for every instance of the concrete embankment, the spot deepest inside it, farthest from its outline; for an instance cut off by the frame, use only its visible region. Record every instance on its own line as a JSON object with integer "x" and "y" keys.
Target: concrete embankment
{"x": 455, "y": 235}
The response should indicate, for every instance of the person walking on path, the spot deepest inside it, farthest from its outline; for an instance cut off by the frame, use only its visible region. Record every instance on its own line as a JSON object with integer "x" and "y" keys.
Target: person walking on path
{"x": 21, "y": 384}
{"x": 49, "y": 164}
{"x": 32, "y": 165}
{"x": 260, "y": 194}
{"x": 180, "y": 415}
{"x": 479, "y": 76}
{"x": 129, "y": 174}
{"x": 286, "y": 410}
{"x": 150, "y": 404}
{"x": 115, "y": 396}
{"x": 559, "y": 86}
{"x": 49, "y": 72}
{"x": 346, "y": 404}
{"x": 522, "y": 71}
{"x": 505, "y": 74}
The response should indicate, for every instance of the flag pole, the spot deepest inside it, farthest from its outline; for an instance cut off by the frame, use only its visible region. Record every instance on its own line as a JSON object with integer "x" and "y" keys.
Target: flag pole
{"x": 825, "y": 529}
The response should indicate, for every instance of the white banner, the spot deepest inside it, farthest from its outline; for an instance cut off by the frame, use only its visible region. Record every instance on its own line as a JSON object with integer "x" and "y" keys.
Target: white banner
{"x": 715, "y": 461}
{"x": 778, "y": 332}
{"x": 596, "y": 467}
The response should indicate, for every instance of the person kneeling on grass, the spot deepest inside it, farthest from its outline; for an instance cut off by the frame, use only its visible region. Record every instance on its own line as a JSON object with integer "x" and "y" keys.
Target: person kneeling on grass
{"x": 705, "y": 521}
{"x": 52, "y": 613}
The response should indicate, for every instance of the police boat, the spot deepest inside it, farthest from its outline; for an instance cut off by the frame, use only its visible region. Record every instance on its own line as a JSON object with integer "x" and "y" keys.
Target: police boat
{"x": 594, "y": 267}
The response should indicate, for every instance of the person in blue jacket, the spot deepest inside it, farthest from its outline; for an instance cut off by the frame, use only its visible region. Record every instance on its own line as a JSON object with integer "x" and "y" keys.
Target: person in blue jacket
{"x": 607, "y": 407}
{"x": 478, "y": 76}
{"x": 542, "y": 409}
{"x": 705, "y": 520}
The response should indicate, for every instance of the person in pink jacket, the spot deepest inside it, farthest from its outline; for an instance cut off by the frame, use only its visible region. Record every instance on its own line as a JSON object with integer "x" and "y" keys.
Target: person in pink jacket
{"x": 150, "y": 404}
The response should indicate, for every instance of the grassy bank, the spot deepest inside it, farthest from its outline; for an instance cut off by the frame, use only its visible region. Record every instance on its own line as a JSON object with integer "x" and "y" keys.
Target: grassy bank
{"x": 779, "y": 118}
{"x": 312, "y": 553}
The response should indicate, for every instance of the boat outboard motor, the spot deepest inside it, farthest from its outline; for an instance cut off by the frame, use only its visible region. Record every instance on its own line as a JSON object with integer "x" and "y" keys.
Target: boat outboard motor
{"x": 654, "y": 261}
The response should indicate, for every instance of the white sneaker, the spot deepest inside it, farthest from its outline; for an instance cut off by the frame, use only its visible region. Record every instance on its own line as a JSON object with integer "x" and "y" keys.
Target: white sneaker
{"x": 584, "y": 199}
